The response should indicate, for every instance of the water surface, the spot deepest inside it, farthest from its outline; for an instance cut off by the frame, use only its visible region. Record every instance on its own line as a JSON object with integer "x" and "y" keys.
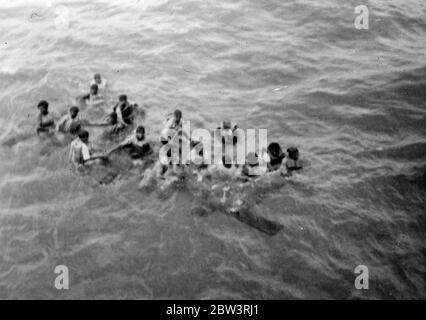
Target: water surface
{"x": 352, "y": 101}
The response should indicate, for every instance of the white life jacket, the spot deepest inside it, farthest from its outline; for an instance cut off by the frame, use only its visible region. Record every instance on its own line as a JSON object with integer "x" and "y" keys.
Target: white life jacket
{"x": 78, "y": 151}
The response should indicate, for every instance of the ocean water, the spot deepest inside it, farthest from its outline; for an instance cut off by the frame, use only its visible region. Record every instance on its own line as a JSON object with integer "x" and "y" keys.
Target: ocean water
{"x": 353, "y": 102}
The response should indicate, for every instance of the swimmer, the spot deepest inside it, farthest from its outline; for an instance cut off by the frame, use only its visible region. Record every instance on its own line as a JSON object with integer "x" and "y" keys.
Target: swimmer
{"x": 46, "y": 124}
{"x": 80, "y": 154}
{"x": 93, "y": 97}
{"x": 173, "y": 126}
{"x": 227, "y": 129}
{"x": 228, "y": 125}
{"x": 136, "y": 144}
{"x": 253, "y": 167}
{"x": 275, "y": 156}
{"x": 293, "y": 162}
{"x": 122, "y": 115}
{"x": 124, "y": 111}
{"x": 101, "y": 83}
{"x": 69, "y": 122}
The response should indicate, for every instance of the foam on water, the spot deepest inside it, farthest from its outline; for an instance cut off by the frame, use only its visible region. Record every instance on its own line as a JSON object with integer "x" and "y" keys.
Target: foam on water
{"x": 352, "y": 101}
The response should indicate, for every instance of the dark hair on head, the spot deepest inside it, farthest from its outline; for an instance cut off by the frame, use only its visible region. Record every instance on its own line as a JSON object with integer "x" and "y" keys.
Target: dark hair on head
{"x": 140, "y": 129}
{"x": 93, "y": 86}
{"x": 122, "y": 97}
{"x": 275, "y": 149}
{"x": 293, "y": 152}
{"x": 43, "y": 103}
{"x": 83, "y": 134}
{"x": 177, "y": 112}
{"x": 226, "y": 124}
{"x": 274, "y": 146}
{"x": 74, "y": 109}
{"x": 97, "y": 75}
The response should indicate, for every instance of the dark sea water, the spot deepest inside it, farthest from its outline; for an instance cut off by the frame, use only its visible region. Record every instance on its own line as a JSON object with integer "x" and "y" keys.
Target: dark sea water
{"x": 353, "y": 101}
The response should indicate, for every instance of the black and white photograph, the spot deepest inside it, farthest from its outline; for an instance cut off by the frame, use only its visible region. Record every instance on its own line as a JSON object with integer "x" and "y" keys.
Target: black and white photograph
{"x": 212, "y": 150}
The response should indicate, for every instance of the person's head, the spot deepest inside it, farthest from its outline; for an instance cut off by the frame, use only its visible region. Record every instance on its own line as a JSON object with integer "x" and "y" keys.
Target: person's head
{"x": 122, "y": 98}
{"x": 274, "y": 150}
{"x": 227, "y": 162}
{"x": 97, "y": 78}
{"x": 94, "y": 89}
{"x": 74, "y": 112}
{"x": 252, "y": 159}
{"x": 140, "y": 133}
{"x": 84, "y": 136}
{"x": 43, "y": 106}
{"x": 177, "y": 114}
{"x": 75, "y": 128}
{"x": 226, "y": 124}
{"x": 293, "y": 153}
{"x": 227, "y": 139}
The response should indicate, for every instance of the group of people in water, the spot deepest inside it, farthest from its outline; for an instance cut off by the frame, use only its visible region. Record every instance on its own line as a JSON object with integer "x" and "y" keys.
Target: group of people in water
{"x": 122, "y": 124}
{"x": 123, "y": 120}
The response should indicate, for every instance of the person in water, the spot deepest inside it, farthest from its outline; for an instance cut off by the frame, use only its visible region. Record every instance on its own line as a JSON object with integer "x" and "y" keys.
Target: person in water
{"x": 135, "y": 144}
{"x": 275, "y": 156}
{"x": 253, "y": 168}
{"x": 80, "y": 153}
{"x": 293, "y": 162}
{"x": 122, "y": 115}
{"x": 93, "y": 97}
{"x": 70, "y": 122}
{"x": 173, "y": 126}
{"x": 228, "y": 130}
{"x": 46, "y": 124}
{"x": 101, "y": 83}
{"x": 228, "y": 125}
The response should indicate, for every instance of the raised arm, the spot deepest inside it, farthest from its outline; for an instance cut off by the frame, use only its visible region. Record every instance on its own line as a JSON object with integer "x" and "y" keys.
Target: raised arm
{"x": 60, "y": 124}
